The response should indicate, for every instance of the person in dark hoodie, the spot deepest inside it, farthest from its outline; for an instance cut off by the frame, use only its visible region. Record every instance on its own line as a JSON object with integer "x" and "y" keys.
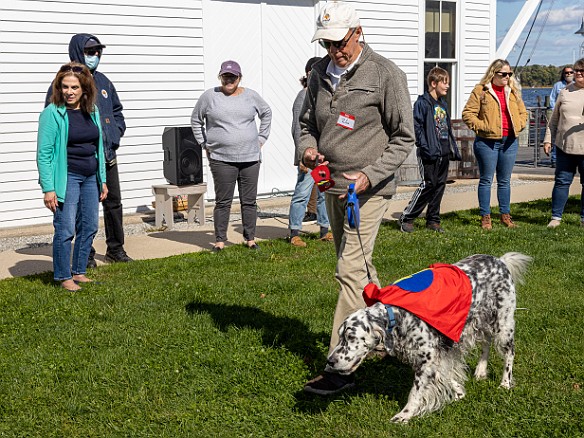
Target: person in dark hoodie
{"x": 435, "y": 147}
{"x": 87, "y": 49}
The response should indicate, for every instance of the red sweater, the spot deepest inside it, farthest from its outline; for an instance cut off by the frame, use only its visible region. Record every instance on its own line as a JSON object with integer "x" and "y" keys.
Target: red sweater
{"x": 440, "y": 295}
{"x": 505, "y": 116}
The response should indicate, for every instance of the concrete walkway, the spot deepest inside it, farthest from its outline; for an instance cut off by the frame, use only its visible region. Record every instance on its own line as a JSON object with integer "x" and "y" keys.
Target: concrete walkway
{"x": 272, "y": 223}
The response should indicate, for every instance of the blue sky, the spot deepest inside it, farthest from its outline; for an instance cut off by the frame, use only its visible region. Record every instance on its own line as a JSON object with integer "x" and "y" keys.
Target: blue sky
{"x": 557, "y": 45}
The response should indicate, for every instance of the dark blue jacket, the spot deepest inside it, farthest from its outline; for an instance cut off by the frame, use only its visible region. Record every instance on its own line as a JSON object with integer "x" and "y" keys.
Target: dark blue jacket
{"x": 108, "y": 102}
{"x": 426, "y": 137}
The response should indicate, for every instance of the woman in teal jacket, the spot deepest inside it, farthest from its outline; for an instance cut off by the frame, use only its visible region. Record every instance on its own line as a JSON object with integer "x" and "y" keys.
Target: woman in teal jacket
{"x": 71, "y": 165}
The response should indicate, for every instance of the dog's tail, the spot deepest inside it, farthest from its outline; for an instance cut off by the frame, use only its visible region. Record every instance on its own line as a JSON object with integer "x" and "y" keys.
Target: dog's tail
{"x": 517, "y": 264}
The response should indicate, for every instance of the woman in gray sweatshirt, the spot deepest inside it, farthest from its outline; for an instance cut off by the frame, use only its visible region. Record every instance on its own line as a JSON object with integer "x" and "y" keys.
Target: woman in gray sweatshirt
{"x": 224, "y": 124}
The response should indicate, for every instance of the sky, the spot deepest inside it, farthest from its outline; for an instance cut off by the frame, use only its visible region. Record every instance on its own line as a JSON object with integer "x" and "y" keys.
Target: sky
{"x": 557, "y": 44}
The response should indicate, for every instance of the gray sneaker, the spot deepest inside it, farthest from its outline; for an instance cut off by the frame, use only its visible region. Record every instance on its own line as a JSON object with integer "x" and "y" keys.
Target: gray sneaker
{"x": 434, "y": 226}
{"x": 407, "y": 227}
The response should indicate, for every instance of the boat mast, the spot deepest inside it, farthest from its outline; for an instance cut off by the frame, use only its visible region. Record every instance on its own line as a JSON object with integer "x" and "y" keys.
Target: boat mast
{"x": 516, "y": 28}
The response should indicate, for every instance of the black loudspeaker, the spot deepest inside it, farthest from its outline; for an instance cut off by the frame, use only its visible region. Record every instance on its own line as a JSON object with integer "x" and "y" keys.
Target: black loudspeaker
{"x": 183, "y": 157}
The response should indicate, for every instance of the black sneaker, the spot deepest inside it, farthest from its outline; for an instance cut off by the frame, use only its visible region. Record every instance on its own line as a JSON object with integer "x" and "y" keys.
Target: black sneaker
{"x": 309, "y": 218}
{"x": 118, "y": 257}
{"x": 91, "y": 263}
{"x": 407, "y": 227}
{"x": 329, "y": 384}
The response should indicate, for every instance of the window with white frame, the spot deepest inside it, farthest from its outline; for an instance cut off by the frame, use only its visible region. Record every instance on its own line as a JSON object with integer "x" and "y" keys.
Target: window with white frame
{"x": 440, "y": 42}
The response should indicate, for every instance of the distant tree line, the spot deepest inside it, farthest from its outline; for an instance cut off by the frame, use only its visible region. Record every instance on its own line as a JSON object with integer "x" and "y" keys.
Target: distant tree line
{"x": 539, "y": 75}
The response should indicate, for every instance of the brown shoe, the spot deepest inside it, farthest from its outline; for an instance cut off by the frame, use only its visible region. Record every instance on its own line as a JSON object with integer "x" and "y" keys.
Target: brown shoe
{"x": 328, "y": 237}
{"x": 486, "y": 222}
{"x": 297, "y": 241}
{"x": 507, "y": 221}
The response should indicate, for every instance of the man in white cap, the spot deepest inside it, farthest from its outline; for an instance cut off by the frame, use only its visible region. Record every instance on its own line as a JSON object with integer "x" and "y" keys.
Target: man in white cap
{"x": 357, "y": 118}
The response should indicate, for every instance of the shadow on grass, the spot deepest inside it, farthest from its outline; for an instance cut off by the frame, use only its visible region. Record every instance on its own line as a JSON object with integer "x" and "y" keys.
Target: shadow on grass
{"x": 386, "y": 378}
{"x": 383, "y": 377}
{"x": 277, "y": 331}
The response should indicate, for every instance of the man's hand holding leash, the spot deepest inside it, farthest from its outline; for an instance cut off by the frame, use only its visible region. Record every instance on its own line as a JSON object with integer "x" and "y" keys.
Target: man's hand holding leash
{"x": 362, "y": 182}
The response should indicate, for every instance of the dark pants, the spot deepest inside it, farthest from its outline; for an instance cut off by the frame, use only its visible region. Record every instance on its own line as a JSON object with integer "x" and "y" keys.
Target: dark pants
{"x": 112, "y": 212}
{"x": 567, "y": 165}
{"x": 430, "y": 191}
{"x": 225, "y": 175}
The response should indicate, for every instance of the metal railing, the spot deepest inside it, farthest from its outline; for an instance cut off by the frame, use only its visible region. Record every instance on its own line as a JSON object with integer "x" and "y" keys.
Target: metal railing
{"x": 532, "y": 136}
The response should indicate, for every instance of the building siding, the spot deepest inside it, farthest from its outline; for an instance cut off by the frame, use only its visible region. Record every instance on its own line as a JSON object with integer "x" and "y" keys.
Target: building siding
{"x": 161, "y": 57}
{"x": 154, "y": 57}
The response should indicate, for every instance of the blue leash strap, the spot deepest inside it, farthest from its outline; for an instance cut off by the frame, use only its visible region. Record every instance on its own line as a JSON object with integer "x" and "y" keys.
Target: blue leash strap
{"x": 354, "y": 220}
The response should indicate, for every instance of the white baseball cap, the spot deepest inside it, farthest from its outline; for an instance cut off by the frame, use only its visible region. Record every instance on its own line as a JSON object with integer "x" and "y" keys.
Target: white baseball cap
{"x": 334, "y": 21}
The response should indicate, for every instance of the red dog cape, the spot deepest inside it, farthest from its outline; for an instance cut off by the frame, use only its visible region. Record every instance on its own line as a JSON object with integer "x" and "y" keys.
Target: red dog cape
{"x": 440, "y": 295}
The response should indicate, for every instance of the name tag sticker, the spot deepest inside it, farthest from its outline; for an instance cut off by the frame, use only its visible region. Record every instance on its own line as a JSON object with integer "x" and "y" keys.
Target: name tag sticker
{"x": 346, "y": 121}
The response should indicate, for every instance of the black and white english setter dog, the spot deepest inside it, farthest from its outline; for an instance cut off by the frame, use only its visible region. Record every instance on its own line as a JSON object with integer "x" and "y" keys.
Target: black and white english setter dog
{"x": 438, "y": 362}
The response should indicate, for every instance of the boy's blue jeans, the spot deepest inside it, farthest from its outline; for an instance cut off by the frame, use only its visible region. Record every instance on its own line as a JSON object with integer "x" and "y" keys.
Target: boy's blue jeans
{"x": 77, "y": 217}
{"x": 495, "y": 156}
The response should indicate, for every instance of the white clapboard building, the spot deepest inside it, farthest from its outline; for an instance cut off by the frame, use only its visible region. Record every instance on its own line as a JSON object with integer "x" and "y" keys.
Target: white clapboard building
{"x": 162, "y": 55}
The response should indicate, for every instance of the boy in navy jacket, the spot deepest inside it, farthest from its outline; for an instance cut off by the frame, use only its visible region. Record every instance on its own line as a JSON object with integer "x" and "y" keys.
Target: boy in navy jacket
{"x": 436, "y": 146}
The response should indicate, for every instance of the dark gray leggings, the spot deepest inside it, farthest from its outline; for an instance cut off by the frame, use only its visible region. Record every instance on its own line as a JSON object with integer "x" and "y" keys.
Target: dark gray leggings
{"x": 225, "y": 175}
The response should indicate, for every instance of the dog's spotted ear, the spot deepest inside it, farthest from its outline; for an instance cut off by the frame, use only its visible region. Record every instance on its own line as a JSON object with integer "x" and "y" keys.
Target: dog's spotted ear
{"x": 377, "y": 315}
{"x": 378, "y": 319}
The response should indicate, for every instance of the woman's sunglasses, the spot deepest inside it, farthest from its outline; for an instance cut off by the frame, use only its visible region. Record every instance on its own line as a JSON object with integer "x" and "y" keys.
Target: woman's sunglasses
{"x": 504, "y": 74}
{"x": 74, "y": 69}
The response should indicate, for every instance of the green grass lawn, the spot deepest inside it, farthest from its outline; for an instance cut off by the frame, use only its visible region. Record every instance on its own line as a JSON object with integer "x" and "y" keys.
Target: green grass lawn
{"x": 220, "y": 345}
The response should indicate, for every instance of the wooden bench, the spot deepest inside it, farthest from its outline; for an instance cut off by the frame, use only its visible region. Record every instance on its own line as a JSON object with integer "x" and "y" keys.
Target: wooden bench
{"x": 163, "y": 195}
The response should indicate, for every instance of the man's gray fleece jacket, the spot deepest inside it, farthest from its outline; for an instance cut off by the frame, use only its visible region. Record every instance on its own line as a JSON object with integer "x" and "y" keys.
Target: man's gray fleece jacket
{"x": 375, "y": 93}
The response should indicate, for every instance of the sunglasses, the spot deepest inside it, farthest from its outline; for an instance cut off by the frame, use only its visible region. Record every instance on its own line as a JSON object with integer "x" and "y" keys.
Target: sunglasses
{"x": 74, "y": 69}
{"x": 568, "y": 73}
{"x": 336, "y": 44}
{"x": 579, "y": 70}
{"x": 504, "y": 74}
{"x": 92, "y": 52}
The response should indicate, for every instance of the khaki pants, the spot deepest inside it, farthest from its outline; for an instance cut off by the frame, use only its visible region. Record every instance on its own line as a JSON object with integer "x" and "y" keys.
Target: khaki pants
{"x": 351, "y": 272}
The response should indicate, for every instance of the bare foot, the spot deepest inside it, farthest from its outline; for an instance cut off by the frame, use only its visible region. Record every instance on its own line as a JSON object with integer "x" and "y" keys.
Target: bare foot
{"x": 70, "y": 285}
{"x": 81, "y": 278}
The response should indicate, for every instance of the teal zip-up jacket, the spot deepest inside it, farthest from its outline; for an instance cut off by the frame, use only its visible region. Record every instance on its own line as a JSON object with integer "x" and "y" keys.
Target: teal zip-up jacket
{"x": 52, "y": 139}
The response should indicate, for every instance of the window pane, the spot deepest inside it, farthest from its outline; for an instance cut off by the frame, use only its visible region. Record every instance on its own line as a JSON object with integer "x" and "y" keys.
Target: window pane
{"x": 432, "y": 29}
{"x": 448, "y": 34}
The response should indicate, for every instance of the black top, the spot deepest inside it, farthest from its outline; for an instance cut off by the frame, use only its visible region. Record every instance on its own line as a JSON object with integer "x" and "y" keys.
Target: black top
{"x": 441, "y": 125}
{"x": 82, "y": 143}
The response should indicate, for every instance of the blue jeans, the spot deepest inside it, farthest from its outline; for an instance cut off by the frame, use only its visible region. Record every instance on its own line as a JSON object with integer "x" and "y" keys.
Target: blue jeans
{"x": 566, "y": 165}
{"x": 299, "y": 201}
{"x": 77, "y": 217}
{"x": 495, "y": 156}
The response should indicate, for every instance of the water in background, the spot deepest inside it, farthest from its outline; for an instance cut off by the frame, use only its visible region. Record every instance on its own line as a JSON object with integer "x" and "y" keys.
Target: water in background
{"x": 530, "y": 96}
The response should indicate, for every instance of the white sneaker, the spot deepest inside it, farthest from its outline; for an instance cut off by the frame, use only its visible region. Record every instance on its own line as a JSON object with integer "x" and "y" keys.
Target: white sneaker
{"x": 554, "y": 223}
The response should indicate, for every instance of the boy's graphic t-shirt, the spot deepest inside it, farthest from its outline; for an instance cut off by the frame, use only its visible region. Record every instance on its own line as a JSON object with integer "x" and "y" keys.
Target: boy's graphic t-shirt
{"x": 441, "y": 125}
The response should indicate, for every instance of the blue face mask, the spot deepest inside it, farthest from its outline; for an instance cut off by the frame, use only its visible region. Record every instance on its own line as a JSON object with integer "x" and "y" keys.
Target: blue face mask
{"x": 91, "y": 62}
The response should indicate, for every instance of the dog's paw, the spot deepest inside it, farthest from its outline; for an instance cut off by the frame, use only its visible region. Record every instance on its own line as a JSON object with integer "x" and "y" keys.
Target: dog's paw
{"x": 507, "y": 384}
{"x": 480, "y": 374}
{"x": 401, "y": 418}
{"x": 459, "y": 393}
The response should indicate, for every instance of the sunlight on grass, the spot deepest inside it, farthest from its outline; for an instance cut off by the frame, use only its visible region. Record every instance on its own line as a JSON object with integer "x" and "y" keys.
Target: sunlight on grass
{"x": 220, "y": 345}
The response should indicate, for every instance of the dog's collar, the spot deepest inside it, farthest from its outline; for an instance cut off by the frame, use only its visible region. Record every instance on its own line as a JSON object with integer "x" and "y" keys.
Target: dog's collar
{"x": 391, "y": 317}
